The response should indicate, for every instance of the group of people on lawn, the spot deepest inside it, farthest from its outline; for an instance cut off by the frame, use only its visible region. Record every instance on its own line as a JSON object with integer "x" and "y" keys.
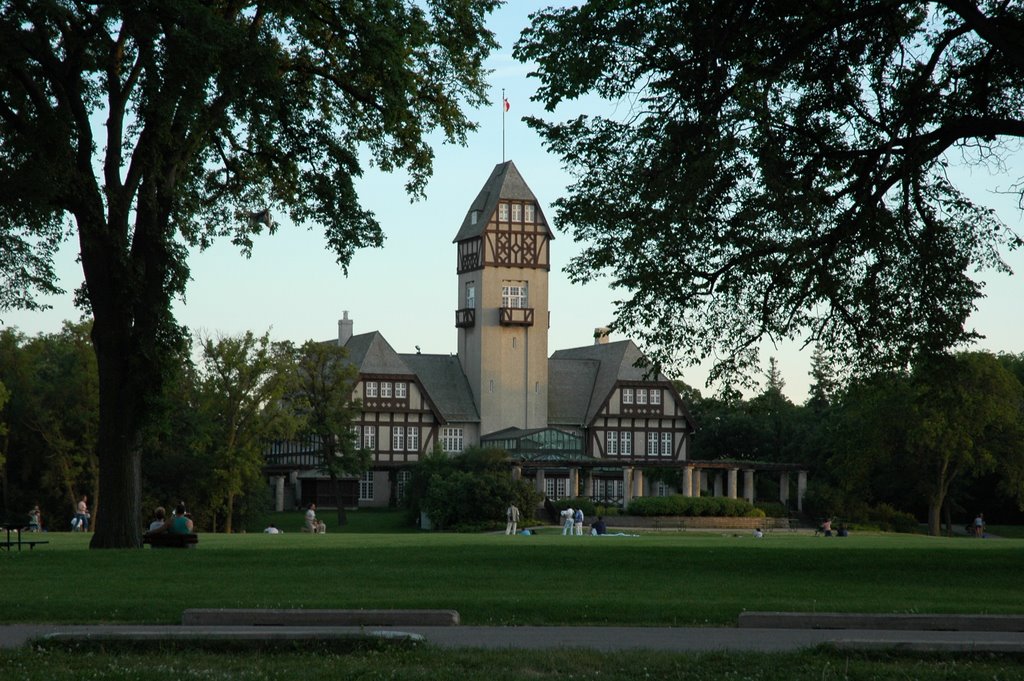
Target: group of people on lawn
{"x": 180, "y": 521}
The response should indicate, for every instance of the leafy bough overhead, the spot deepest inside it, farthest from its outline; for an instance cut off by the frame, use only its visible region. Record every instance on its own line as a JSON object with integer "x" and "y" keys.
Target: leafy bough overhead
{"x": 155, "y": 126}
{"x": 781, "y": 171}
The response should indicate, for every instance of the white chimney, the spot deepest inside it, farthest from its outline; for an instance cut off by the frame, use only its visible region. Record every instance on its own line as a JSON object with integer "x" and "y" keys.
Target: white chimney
{"x": 601, "y": 335}
{"x": 344, "y": 329}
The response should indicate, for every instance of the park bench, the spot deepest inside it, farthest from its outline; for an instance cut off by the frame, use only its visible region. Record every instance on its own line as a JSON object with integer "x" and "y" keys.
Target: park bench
{"x": 30, "y": 543}
{"x": 19, "y": 532}
{"x": 166, "y": 540}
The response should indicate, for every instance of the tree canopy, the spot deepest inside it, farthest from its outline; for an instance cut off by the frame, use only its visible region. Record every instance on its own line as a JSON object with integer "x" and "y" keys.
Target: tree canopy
{"x": 155, "y": 127}
{"x": 779, "y": 170}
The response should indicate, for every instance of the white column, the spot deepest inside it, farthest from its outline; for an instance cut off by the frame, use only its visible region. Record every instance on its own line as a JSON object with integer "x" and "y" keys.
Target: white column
{"x": 574, "y": 482}
{"x": 784, "y": 488}
{"x": 801, "y": 489}
{"x": 627, "y": 488}
{"x": 687, "y": 481}
{"x": 638, "y": 483}
{"x": 293, "y": 478}
{"x": 748, "y": 484}
{"x": 698, "y": 476}
{"x": 278, "y": 493}
{"x": 733, "y": 486}
{"x": 588, "y": 485}
{"x": 517, "y": 472}
{"x": 539, "y": 479}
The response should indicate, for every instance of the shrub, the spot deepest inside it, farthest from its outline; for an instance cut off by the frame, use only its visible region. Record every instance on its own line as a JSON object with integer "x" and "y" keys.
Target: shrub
{"x": 678, "y": 505}
{"x": 773, "y": 509}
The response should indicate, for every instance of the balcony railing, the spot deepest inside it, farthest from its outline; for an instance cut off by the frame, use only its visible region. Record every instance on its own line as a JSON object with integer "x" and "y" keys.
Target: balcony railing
{"x": 465, "y": 317}
{"x": 515, "y": 316}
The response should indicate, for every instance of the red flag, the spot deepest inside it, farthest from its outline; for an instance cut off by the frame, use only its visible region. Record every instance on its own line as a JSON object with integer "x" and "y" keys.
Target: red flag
{"x": 506, "y": 103}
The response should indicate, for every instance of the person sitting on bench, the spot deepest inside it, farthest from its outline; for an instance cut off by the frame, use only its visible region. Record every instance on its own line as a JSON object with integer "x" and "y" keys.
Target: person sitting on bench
{"x": 179, "y": 523}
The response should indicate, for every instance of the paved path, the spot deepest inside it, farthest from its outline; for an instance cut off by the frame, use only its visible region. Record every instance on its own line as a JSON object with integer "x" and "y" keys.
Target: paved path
{"x": 674, "y": 639}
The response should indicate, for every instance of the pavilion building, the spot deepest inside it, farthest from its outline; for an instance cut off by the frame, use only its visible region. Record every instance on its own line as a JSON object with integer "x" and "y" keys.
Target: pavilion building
{"x": 583, "y": 421}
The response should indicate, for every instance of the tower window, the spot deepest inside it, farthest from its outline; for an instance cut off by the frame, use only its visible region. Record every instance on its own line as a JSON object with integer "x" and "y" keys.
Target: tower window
{"x": 513, "y": 294}
{"x": 471, "y": 294}
{"x": 503, "y": 212}
{"x": 517, "y": 212}
{"x": 528, "y": 211}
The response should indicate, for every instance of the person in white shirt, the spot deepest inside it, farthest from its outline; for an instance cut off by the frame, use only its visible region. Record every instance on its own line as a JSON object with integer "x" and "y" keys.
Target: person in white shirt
{"x": 512, "y": 515}
{"x": 568, "y": 515}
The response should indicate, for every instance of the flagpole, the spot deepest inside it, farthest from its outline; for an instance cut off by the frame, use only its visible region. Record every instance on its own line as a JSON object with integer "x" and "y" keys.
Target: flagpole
{"x": 503, "y": 108}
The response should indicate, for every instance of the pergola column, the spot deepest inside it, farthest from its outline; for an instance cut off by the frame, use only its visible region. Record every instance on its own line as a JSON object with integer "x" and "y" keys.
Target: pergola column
{"x": 687, "y": 489}
{"x": 801, "y": 489}
{"x": 698, "y": 475}
{"x": 748, "y": 484}
{"x": 296, "y": 484}
{"x": 517, "y": 472}
{"x": 627, "y": 488}
{"x": 784, "y": 488}
{"x": 732, "y": 486}
{"x": 539, "y": 480}
{"x": 588, "y": 485}
{"x": 574, "y": 483}
{"x": 278, "y": 493}
{"x": 638, "y": 482}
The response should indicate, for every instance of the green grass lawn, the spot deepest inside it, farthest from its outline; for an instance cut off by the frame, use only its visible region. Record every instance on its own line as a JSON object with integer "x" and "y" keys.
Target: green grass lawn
{"x": 375, "y": 562}
{"x": 653, "y": 579}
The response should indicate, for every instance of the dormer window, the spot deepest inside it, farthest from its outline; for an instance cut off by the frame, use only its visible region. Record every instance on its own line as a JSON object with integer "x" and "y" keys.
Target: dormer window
{"x": 517, "y": 212}
{"x": 503, "y": 212}
{"x": 528, "y": 212}
{"x": 474, "y": 216}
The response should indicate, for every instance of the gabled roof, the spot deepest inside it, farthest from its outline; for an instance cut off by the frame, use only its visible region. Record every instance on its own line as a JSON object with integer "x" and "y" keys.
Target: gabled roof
{"x": 446, "y": 385}
{"x": 374, "y": 355}
{"x": 591, "y": 372}
{"x": 505, "y": 182}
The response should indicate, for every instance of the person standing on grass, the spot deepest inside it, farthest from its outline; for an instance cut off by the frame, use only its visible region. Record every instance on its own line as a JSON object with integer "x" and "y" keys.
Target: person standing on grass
{"x": 979, "y": 526}
{"x": 512, "y": 515}
{"x": 577, "y": 520}
{"x": 567, "y": 516}
{"x": 81, "y": 520}
{"x": 35, "y": 519}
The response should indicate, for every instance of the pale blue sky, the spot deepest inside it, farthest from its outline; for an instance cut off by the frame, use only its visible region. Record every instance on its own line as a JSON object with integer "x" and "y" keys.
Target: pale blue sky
{"x": 407, "y": 290}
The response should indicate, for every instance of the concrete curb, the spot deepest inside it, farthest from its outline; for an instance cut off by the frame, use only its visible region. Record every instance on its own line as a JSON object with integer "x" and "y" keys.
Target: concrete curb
{"x": 193, "y": 635}
{"x": 293, "y": 617}
{"x": 898, "y": 621}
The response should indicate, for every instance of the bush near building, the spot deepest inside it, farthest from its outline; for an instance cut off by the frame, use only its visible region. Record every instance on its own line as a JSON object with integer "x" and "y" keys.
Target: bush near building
{"x": 694, "y": 507}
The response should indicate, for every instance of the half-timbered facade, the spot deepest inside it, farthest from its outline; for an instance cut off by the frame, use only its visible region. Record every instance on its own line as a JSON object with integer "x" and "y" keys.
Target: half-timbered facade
{"x": 583, "y": 421}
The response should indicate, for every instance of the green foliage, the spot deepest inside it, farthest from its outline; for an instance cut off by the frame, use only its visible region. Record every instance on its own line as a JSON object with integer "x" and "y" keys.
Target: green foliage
{"x": 51, "y": 417}
{"x": 772, "y": 509}
{"x": 678, "y": 505}
{"x": 155, "y": 128}
{"x": 469, "y": 492}
{"x": 587, "y": 505}
{"x": 242, "y": 381}
{"x": 798, "y": 151}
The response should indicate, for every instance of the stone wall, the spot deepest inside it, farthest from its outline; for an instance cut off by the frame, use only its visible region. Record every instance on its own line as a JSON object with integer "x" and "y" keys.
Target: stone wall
{"x": 696, "y": 523}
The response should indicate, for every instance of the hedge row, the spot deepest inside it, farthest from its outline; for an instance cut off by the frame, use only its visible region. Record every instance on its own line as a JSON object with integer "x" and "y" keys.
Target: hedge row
{"x": 694, "y": 506}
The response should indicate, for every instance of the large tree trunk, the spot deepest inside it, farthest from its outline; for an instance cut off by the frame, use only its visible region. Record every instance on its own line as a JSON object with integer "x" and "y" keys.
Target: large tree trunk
{"x": 118, "y": 447}
{"x": 935, "y": 516}
{"x": 230, "y": 513}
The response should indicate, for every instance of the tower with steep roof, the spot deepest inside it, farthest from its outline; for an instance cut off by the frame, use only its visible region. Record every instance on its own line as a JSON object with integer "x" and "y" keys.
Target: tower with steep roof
{"x": 502, "y": 316}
